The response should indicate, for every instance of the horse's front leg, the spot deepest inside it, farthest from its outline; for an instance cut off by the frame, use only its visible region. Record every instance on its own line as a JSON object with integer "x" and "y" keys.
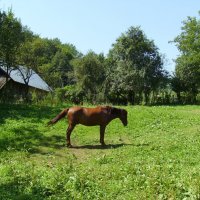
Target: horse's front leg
{"x": 68, "y": 134}
{"x": 102, "y": 132}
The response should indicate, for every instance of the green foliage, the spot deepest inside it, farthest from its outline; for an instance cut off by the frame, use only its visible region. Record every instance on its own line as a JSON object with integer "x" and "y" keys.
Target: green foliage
{"x": 61, "y": 64}
{"x": 11, "y": 37}
{"x": 74, "y": 95}
{"x": 188, "y": 63}
{"x": 137, "y": 65}
{"x": 90, "y": 74}
{"x": 132, "y": 73}
{"x": 155, "y": 157}
{"x": 50, "y": 58}
{"x": 69, "y": 93}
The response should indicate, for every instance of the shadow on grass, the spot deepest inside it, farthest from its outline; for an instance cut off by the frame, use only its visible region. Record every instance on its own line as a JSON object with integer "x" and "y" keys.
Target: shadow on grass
{"x": 18, "y": 111}
{"x": 30, "y": 139}
{"x": 14, "y": 190}
{"x": 109, "y": 146}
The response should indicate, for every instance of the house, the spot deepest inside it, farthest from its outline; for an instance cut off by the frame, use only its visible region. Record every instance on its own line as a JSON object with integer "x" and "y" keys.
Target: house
{"x": 17, "y": 80}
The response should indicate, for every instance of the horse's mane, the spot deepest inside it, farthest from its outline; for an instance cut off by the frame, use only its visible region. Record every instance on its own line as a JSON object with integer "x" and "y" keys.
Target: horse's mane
{"x": 113, "y": 110}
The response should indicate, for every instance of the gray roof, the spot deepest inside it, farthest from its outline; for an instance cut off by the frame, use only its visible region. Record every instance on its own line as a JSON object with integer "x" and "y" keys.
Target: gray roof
{"x": 34, "y": 81}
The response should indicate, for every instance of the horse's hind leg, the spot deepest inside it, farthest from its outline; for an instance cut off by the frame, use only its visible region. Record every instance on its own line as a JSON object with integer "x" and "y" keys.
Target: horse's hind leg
{"x": 68, "y": 134}
{"x": 102, "y": 132}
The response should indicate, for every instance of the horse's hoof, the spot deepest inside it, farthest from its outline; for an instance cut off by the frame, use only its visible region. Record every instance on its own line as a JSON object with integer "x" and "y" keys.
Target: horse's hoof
{"x": 69, "y": 146}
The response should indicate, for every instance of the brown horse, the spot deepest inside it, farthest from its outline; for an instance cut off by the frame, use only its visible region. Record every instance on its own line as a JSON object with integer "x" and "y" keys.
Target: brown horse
{"x": 99, "y": 116}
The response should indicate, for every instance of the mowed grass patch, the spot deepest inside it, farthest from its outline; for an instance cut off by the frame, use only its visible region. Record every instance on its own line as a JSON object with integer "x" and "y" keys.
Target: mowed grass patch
{"x": 155, "y": 157}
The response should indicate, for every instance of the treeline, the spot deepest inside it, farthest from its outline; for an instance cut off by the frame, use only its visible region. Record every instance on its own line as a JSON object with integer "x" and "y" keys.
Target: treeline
{"x": 132, "y": 72}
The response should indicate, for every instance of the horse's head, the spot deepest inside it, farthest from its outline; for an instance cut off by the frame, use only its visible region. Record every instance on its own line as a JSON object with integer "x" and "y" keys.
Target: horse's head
{"x": 121, "y": 114}
{"x": 123, "y": 117}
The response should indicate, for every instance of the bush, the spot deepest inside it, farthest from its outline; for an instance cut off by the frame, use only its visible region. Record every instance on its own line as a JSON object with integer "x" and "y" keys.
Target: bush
{"x": 70, "y": 94}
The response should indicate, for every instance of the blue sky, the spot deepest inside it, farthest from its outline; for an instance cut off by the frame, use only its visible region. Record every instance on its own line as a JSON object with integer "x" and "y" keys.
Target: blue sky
{"x": 96, "y": 24}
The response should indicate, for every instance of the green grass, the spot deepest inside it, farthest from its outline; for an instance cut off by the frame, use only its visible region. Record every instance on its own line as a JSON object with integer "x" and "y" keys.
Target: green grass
{"x": 157, "y": 156}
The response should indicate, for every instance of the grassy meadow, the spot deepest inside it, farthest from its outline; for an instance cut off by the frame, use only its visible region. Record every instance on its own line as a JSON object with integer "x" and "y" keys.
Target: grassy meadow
{"x": 157, "y": 156}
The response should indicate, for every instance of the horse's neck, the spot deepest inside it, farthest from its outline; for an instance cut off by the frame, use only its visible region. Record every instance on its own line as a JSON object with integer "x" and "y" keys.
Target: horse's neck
{"x": 113, "y": 117}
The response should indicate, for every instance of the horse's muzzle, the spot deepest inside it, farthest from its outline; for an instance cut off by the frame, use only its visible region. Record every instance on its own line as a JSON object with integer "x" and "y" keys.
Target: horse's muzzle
{"x": 125, "y": 124}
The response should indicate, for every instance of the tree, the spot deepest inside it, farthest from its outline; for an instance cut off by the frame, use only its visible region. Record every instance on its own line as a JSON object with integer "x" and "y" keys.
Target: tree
{"x": 49, "y": 58}
{"x": 11, "y": 38}
{"x": 89, "y": 74}
{"x": 188, "y": 63}
{"x": 178, "y": 86}
{"x": 61, "y": 63}
{"x": 138, "y": 66}
{"x": 28, "y": 59}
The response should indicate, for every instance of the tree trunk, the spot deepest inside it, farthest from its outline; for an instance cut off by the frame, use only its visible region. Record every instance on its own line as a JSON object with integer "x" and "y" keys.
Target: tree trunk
{"x": 178, "y": 96}
{"x": 26, "y": 93}
{"x": 146, "y": 97}
{"x": 193, "y": 98}
{"x": 131, "y": 98}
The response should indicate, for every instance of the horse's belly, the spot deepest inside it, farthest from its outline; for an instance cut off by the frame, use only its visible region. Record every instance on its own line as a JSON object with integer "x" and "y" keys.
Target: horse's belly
{"x": 89, "y": 123}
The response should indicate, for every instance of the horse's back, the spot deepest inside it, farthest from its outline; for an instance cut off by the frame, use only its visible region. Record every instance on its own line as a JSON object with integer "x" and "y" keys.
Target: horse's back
{"x": 87, "y": 116}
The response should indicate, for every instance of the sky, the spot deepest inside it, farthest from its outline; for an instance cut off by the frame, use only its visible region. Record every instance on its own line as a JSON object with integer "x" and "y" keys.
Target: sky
{"x": 96, "y": 24}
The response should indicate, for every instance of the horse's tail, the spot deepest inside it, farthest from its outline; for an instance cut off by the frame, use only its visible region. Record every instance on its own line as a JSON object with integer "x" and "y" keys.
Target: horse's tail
{"x": 58, "y": 117}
